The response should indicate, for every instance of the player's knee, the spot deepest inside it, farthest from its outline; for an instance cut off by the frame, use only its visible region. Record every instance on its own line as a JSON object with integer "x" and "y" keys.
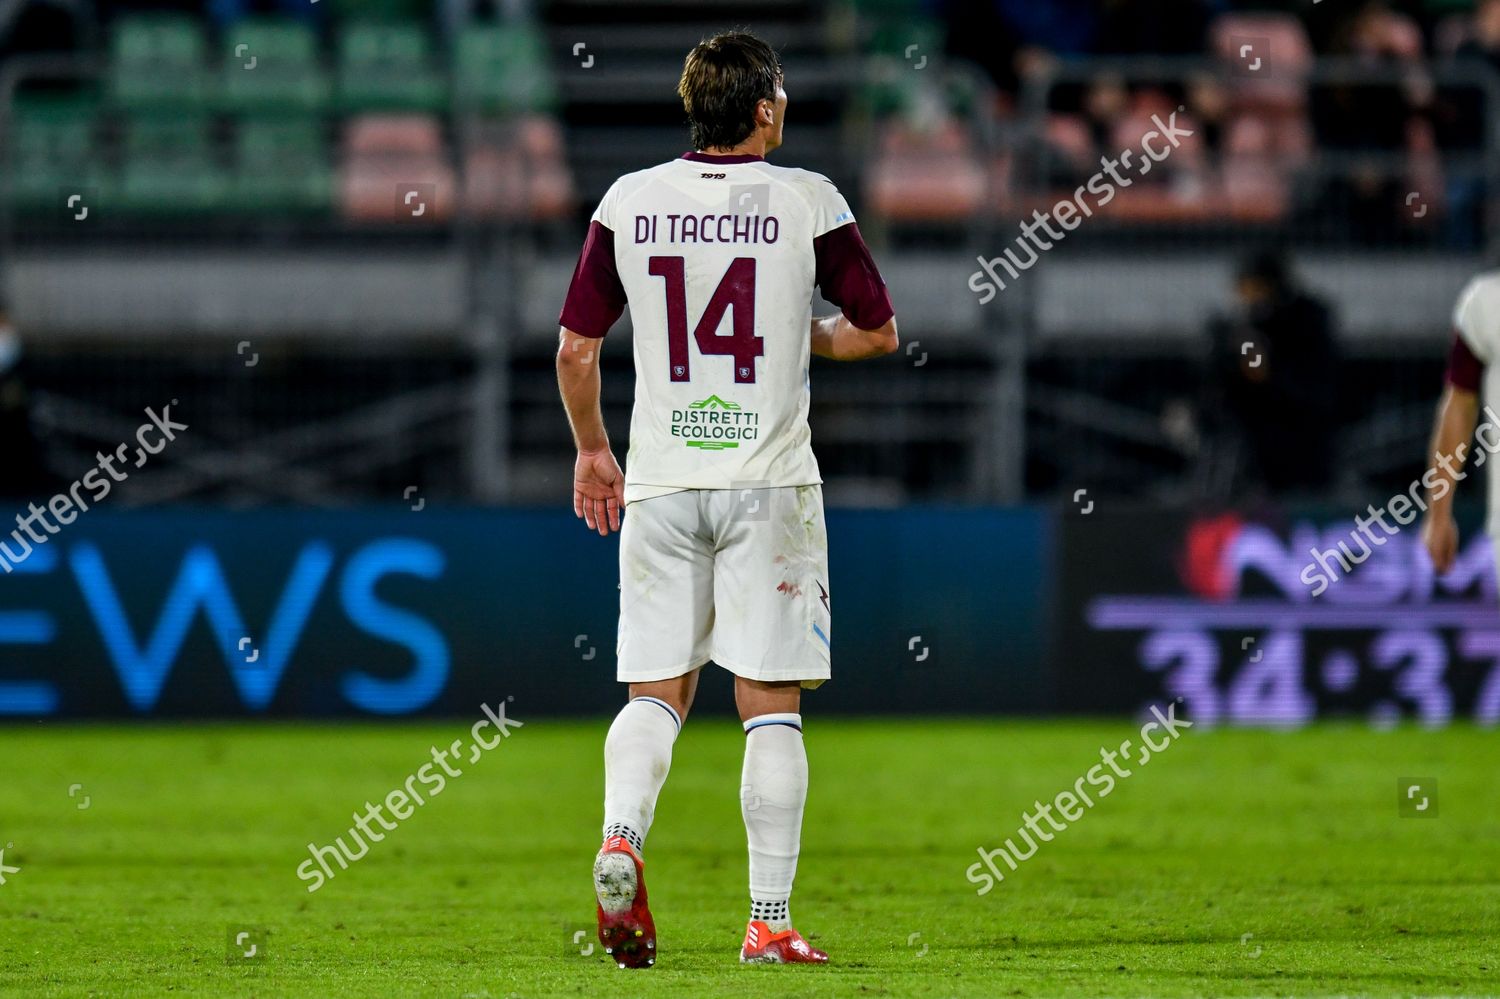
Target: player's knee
{"x": 757, "y": 697}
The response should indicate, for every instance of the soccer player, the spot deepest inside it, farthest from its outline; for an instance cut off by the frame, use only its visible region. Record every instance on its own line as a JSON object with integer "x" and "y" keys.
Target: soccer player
{"x": 723, "y": 554}
{"x": 1476, "y": 339}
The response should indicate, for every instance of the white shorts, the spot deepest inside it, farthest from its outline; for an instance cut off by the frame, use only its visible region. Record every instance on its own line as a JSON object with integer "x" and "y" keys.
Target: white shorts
{"x": 739, "y": 576}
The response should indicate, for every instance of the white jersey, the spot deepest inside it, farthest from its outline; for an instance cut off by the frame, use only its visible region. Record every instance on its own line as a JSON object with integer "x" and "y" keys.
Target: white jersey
{"x": 716, "y": 259}
{"x": 1476, "y": 319}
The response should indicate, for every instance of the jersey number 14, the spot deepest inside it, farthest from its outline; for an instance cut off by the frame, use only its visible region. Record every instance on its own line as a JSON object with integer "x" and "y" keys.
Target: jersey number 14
{"x": 736, "y": 291}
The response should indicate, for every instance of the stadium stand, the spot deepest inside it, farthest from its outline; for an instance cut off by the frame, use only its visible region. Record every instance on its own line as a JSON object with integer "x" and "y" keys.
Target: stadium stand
{"x": 451, "y": 154}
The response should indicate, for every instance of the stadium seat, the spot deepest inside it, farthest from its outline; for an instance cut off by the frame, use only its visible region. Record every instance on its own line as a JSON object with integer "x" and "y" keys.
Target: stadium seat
{"x": 394, "y": 169}
{"x": 271, "y": 64}
{"x": 517, "y": 169}
{"x": 170, "y": 167}
{"x": 926, "y": 174}
{"x": 388, "y": 66}
{"x": 1280, "y": 81}
{"x": 281, "y": 167}
{"x": 504, "y": 68}
{"x": 1068, "y": 136}
{"x": 53, "y": 152}
{"x": 156, "y": 61}
{"x": 893, "y": 84}
{"x": 1178, "y": 188}
{"x": 1253, "y": 171}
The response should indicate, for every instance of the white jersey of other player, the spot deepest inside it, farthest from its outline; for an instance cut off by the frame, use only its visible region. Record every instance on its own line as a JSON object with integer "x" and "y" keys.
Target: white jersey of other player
{"x": 1477, "y": 320}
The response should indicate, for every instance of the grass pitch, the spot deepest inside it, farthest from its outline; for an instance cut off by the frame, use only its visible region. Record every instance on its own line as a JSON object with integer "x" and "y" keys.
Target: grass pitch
{"x": 1235, "y": 863}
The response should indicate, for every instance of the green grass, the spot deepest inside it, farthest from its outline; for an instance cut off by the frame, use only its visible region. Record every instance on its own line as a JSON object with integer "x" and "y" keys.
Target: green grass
{"x": 1290, "y": 838}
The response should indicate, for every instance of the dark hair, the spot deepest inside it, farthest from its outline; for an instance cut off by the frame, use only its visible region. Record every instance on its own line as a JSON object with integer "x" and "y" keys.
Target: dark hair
{"x": 723, "y": 78}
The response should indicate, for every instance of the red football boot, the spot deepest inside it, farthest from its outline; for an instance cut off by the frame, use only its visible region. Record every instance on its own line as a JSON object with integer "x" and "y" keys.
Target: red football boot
{"x": 787, "y": 947}
{"x": 625, "y": 926}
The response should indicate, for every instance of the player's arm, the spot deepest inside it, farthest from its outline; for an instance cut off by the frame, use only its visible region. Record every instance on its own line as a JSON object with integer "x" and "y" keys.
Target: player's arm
{"x": 598, "y": 483}
{"x": 837, "y": 338}
{"x": 595, "y": 300}
{"x": 848, "y": 277}
{"x": 1452, "y": 432}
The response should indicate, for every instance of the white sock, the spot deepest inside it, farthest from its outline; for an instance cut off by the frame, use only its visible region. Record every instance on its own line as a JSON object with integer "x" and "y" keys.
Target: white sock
{"x": 637, "y": 756}
{"x": 773, "y": 790}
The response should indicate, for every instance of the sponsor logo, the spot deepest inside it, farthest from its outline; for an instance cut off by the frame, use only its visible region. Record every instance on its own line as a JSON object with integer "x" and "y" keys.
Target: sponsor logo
{"x": 714, "y": 424}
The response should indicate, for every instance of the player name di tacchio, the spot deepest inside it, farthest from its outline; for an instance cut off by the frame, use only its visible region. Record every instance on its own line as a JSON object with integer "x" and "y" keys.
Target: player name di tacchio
{"x": 708, "y": 228}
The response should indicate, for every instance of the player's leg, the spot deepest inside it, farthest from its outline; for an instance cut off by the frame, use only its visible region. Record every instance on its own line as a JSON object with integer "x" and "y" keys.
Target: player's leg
{"x": 638, "y": 754}
{"x": 666, "y": 618}
{"x": 773, "y": 792}
{"x": 771, "y": 631}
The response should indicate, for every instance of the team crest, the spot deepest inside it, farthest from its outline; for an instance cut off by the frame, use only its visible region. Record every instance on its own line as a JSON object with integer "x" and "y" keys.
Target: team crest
{"x": 678, "y": 370}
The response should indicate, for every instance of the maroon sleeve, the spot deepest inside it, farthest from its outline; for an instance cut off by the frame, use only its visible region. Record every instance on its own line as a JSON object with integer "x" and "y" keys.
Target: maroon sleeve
{"x": 1464, "y": 369}
{"x": 595, "y": 297}
{"x": 848, "y": 277}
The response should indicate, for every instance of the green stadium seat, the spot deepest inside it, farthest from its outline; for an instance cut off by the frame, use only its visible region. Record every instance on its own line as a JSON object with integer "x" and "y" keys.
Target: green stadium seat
{"x": 53, "y": 152}
{"x": 271, "y": 64}
{"x": 388, "y": 66}
{"x": 281, "y": 167}
{"x": 169, "y": 168}
{"x": 896, "y": 79}
{"x": 157, "y": 61}
{"x": 504, "y": 68}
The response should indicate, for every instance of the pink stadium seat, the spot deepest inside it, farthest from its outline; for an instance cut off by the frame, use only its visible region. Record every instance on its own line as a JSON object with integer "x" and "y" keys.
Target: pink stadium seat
{"x": 926, "y": 175}
{"x": 1253, "y": 172}
{"x": 1280, "y": 81}
{"x": 1424, "y": 176}
{"x": 1137, "y": 123}
{"x": 394, "y": 169}
{"x": 518, "y": 170}
{"x": 394, "y": 133}
{"x": 1068, "y": 135}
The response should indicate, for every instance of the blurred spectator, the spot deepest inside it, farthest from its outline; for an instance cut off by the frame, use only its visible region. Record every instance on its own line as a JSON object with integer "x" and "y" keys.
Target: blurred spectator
{"x": 1208, "y": 105}
{"x": 1369, "y": 125}
{"x": 1460, "y": 121}
{"x": 24, "y": 475}
{"x": 1483, "y": 41}
{"x": 1273, "y": 382}
{"x": 1106, "y": 103}
{"x": 1459, "y": 118}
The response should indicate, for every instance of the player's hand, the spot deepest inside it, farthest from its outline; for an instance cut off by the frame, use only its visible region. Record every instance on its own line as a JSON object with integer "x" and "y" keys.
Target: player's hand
{"x": 1440, "y": 538}
{"x": 598, "y": 490}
